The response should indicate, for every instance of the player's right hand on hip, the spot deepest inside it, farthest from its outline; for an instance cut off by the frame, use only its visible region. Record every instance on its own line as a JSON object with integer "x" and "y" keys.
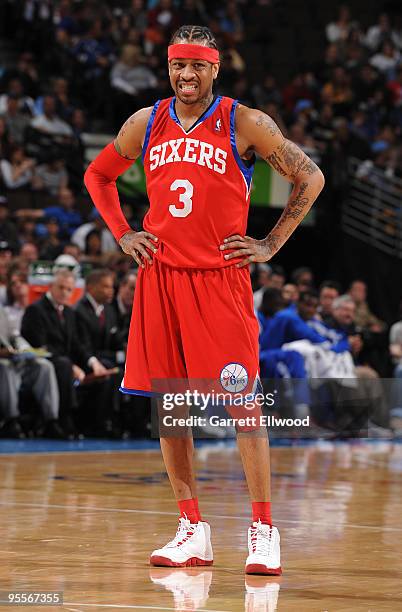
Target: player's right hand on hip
{"x": 140, "y": 245}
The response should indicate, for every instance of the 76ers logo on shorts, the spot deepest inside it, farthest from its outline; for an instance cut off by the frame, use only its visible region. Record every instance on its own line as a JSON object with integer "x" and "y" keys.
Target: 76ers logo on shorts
{"x": 234, "y": 377}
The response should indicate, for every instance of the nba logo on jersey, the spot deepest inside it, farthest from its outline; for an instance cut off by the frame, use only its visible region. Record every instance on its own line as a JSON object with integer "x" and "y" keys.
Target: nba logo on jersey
{"x": 218, "y": 125}
{"x": 234, "y": 377}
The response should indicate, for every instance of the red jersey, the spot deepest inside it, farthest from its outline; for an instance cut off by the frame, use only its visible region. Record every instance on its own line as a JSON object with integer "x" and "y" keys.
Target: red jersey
{"x": 198, "y": 186}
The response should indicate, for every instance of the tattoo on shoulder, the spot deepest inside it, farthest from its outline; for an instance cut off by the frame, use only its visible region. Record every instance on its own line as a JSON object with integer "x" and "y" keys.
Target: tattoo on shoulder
{"x": 268, "y": 123}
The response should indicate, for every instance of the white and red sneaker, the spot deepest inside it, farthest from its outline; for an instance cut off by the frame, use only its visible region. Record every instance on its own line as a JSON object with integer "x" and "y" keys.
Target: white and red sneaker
{"x": 191, "y": 546}
{"x": 264, "y": 553}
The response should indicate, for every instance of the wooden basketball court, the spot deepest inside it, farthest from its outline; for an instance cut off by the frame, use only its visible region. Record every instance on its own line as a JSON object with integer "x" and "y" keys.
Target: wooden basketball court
{"x": 85, "y": 523}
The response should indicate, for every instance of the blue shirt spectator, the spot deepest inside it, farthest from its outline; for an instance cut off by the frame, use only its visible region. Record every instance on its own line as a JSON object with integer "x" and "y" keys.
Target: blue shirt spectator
{"x": 67, "y": 218}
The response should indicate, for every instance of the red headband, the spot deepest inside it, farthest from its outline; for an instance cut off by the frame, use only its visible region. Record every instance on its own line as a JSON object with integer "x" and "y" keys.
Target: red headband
{"x": 188, "y": 51}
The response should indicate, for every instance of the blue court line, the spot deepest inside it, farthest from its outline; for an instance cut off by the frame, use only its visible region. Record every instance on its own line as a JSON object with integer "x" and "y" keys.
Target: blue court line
{"x": 40, "y": 445}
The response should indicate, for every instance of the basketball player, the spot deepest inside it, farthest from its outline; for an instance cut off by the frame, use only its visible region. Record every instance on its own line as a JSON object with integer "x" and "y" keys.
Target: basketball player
{"x": 193, "y": 312}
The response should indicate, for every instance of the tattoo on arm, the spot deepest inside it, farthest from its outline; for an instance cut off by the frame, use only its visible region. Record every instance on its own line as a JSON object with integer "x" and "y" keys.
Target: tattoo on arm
{"x": 294, "y": 209}
{"x": 292, "y": 156}
{"x": 275, "y": 160}
{"x": 308, "y": 166}
{"x": 273, "y": 242}
{"x": 268, "y": 123}
{"x": 288, "y": 155}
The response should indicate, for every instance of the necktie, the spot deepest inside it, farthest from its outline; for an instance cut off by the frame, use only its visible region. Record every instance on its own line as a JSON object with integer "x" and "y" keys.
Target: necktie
{"x": 60, "y": 314}
{"x": 101, "y": 319}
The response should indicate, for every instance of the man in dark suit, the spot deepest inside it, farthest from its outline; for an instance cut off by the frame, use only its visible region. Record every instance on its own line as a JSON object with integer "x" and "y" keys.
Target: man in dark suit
{"x": 123, "y": 303}
{"x": 98, "y": 331}
{"x": 51, "y": 323}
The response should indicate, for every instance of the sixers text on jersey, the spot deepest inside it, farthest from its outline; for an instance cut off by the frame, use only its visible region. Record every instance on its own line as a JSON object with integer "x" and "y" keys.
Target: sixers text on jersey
{"x": 188, "y": 150}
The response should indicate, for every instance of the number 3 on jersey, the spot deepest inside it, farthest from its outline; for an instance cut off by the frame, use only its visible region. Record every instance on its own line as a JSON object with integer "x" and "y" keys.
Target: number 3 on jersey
{"x": 184, "y": 198}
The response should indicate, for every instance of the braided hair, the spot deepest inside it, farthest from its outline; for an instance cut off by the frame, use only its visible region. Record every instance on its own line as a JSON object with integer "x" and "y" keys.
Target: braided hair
{"x": 195, "y": 34}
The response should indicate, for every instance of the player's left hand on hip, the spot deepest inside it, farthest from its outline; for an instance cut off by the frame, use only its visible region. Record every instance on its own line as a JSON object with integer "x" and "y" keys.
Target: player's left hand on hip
{"x": 251, "y": 249}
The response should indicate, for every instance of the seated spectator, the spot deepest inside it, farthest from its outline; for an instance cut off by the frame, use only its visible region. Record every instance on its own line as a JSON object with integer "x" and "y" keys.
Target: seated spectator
{"x": 15, "y": 90}
{"x": 8, "y": 230}
{"x": 26, "y": 72}
{"x": 16, "y": 121}
{"x": 123, "y": 302}
{"x": 290, "y": 295}
{"x": 35, "y": 374}
{"x": 387, "y": 59}
{"x": 17, "y": 300}
{"x": 72, "y": 249}
{"x": 63, "y": 106}
{"x": 230, "y": 22}
{"x": 329, "y": 290}
{"x": 369, "y": 388}
{"x": 339, "y": 30}
{"x": 26, "y": 227}
{"x": 17, "y": 170}
{"x": 367, "y": 83}
{"x": 51, "y": 176}
{"x": 130, "y": 74}
{"x": 68, "y": 217}
{"x": 49, "y": 122}
{"x": 263, "y": 274}
{"x": 283, "y": 327}
{"x": 29, "y": 253}
{"x": 267, "y": 91}
{"x": 108, "y": 243}
{"x": 338, "y": 91}
{"x": 51, "y": 246}
{"x": 363, "y": 317}
{"x": 98, "y": 332}
{"x": 323, "y": 129}
{"x": 51, "y": 323}
{"x": 380, "y": 32}
{"x": 163, "y": 19}
{"x": 303, "y": 278}
{"x": 299, "y": 88}
{"x": 93, "y": 248}
{"x": 278, "y": 277}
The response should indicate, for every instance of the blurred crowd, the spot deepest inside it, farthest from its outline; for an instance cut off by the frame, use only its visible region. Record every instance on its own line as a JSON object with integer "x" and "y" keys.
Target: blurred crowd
{"x": 84, "y": 66}
{"x": 337, "y": 357}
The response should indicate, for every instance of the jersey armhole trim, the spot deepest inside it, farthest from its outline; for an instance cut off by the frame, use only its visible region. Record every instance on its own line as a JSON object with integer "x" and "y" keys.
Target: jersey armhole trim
{"x": 247, "y": 171}
{"x": 149, "y": 128}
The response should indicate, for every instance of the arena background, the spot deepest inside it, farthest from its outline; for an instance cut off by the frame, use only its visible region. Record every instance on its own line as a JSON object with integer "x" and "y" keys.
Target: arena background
{"x": 329, "y": 75}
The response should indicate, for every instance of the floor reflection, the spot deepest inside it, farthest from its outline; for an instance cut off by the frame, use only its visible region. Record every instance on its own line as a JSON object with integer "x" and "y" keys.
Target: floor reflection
{"x": 262, "y": 593}
{"x": 189, "y": 587}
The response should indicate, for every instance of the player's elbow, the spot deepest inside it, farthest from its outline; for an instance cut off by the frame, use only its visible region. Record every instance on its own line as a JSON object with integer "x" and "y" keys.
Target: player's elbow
{"x": 88, "y": 176}
{"x": 319, "y": 180}
{"x": 93, "y": 177}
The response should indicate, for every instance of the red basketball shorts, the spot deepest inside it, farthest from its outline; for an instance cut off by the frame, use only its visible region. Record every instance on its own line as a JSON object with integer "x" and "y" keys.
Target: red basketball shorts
{"x": 192, "y": 324}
